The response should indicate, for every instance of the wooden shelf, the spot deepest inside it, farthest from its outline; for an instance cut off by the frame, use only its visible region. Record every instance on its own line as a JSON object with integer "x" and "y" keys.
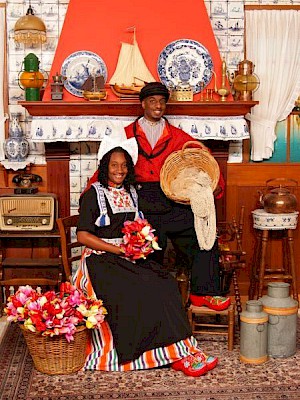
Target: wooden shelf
{"x": 128, "y": 108}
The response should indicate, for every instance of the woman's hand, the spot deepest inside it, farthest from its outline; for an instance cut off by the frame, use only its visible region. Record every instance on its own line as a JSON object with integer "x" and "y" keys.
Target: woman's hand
{"x": 93, "y": 242}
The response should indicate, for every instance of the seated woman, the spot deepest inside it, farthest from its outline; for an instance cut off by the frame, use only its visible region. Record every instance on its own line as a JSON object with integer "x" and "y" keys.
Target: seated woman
{"x": 146, "y": 325}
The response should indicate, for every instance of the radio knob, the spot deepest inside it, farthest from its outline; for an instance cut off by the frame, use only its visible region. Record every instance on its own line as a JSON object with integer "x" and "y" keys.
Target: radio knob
{"x": 9, "y": 221}
{"x": 44, "y": 221}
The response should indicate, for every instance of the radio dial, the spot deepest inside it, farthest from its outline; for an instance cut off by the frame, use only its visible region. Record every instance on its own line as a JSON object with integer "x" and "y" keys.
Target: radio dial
{"x": 9, "y": 221}
{"x": 44, "y": 221}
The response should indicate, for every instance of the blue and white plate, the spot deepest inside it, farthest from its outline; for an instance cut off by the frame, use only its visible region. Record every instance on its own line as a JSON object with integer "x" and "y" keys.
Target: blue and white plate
{"x": 78, "y": 66}
{"x": 185, "y": 61}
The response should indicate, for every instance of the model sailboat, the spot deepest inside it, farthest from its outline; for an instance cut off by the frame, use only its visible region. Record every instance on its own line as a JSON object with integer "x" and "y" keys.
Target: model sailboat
{"x": 93, "y": 88}
{"x": 131, "y": 72}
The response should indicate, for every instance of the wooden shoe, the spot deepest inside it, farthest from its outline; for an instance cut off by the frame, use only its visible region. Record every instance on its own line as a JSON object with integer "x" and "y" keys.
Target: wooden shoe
{"x": 210, "y": 361}
{"x": 216, "y": 303}
{"x": 190, "y": 366}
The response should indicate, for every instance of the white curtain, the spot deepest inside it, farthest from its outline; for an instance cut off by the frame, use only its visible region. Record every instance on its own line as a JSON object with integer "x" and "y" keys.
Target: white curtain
{"x": 3, "y": 117}
{"x": 273, "y": 45}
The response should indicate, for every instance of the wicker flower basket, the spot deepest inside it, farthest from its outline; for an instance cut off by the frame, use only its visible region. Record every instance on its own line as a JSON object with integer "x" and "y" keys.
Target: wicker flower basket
{"x": 54, "y": 355}
{"x": 188, "y": 157}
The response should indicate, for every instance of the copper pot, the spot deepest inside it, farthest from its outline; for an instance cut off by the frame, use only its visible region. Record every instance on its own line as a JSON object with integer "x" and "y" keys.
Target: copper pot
{"x": 279, "y": 200}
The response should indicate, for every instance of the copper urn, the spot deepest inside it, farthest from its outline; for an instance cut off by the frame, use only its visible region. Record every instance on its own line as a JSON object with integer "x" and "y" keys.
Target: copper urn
{"x": 279, "y": 200}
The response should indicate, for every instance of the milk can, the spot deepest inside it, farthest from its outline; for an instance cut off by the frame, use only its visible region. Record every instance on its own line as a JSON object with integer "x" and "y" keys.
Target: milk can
{"x": 282, "y": 322}
{"x": 253, "y": 333}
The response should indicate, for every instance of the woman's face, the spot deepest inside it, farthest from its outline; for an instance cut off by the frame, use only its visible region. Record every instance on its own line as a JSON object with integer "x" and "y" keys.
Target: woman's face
{"x": 117, "y": 168}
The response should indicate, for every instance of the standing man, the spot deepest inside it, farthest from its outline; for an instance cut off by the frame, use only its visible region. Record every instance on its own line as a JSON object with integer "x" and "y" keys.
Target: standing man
{"x": 157, "y": 139}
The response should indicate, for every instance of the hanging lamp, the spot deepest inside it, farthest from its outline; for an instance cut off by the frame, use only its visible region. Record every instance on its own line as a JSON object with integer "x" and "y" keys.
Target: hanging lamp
{"x": 30, "y": 29}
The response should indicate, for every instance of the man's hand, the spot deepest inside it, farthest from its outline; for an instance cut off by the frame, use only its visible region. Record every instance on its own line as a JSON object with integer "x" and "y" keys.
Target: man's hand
{"x": 218, "y": 191}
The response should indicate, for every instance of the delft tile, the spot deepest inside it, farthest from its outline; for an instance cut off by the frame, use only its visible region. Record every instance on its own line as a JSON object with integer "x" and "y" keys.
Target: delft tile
{"x": 83, "y": 182}
{"x": 13, "y": 79}
{"x": 36, "y": 48}
{"x": 37, "y": 148}
{"x": 16, "y": 108}
{"x": 218, "y": 9}
{"x": 51, "y": 27}
{"x": 234, "y": 58}
{"x": 62, "y": 9}
{"x": 74, "y": 199}
{"x": 15, "y": 95}
{"x": 75, "y": 266}
{"x": 236, "y": 43}
{"x": 50, "y": 45}
{"x": 222, "y": 42}
{"x": 73, "y": 234}
{"x": 236, "y": 10}
{"x": 77, "y": 251}
{"x": 88, "y": 148}
{"x": 74, "y": 149}
{"x": 50, "y": 12}
{"x": 219, "y": 25}
{"x": 46, "y": 61}
{"x": 15, "y": 63}
{"x": 15, "y": 48}
{"x": 207, "y": 5}
{"x": 75, "y": 184}
{"x": 74, "y": 167}
{"x": 15, "y": 11}
{"x": 87, "y": 167}
{"x": 236, "y": 26}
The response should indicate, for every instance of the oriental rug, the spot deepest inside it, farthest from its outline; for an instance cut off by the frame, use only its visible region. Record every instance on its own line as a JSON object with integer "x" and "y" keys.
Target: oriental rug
{"x": 277, "y": 379}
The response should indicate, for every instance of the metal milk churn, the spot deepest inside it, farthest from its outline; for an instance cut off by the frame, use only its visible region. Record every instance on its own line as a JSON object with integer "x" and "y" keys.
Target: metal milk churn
{"x": 282, "y": 322}
{"x": 253, "y": 333}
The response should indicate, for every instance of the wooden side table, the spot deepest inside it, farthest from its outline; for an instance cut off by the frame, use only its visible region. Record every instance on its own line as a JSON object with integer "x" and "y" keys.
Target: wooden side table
{"x": 261, "y": 274}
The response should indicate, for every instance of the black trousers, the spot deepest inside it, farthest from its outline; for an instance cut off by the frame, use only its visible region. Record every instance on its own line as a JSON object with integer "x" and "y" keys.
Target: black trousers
{"x": 177, "y": 224}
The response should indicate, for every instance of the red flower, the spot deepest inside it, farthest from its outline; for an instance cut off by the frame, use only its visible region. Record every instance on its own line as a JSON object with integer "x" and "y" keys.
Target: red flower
{"x": 138, "y": 240}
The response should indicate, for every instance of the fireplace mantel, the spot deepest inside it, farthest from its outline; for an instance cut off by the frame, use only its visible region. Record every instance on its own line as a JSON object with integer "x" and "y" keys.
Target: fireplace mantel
{"x": 126, "y": 108}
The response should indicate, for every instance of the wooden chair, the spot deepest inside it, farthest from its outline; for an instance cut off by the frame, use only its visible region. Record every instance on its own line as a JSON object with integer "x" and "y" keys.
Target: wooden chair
{"x": 232, "y": 255}
{"x": 70, "y": 249}
{"x": 232, "y": 258}
{"x": 217, "y": 327}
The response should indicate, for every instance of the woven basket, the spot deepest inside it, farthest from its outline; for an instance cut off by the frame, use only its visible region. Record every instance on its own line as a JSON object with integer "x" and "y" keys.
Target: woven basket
{"x": 54, "y": 355}
{"x": 177, "y": 161}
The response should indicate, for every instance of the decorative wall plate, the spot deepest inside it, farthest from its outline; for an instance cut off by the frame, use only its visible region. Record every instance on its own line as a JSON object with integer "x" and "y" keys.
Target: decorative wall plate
{"x": 78, "y": 66}
{"x": 185, "y": 61}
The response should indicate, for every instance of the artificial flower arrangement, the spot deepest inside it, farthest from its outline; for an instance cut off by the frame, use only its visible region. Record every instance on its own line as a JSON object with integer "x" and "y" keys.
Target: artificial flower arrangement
{"x": 54, "y": 313}
{"x": 138, "y": 240}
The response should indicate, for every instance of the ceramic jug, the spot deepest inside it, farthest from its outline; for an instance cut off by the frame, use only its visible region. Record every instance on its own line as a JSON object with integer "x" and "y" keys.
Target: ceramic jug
{"x": 282, "y": 320}
{"x": 253, "y": 333}
{"x": 16, "y": 147}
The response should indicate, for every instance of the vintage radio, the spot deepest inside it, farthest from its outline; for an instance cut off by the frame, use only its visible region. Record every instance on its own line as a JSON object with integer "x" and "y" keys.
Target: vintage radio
{"x": 36, "y": 212}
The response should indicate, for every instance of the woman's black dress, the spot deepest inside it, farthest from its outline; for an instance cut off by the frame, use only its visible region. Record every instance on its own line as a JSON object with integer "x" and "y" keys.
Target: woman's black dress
{"x": 142, "y": 299}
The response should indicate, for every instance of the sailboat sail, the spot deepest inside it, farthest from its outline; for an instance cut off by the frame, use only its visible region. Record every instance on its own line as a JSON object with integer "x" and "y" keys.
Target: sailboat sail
{"x": 131, "y": 67}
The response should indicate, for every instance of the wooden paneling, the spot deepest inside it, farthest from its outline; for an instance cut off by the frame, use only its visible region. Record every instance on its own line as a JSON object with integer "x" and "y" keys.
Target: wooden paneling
{"x": 244, "y": 182}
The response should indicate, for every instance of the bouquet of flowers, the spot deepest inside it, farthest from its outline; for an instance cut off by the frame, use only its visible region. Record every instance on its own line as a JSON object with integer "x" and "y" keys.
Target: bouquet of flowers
{"x": 138, "y": 240}
{"x": 54, "y": 313}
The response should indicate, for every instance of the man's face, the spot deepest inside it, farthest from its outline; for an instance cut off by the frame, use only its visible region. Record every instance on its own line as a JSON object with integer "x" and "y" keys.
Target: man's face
{"x": 154, "y": 107}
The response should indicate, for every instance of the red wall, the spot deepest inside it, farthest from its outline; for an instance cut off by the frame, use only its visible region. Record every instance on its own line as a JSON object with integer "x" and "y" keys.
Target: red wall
{"x": 100, "y": 25}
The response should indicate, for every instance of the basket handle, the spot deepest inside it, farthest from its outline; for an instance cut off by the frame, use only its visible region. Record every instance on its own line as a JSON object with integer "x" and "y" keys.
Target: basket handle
{"x": 187, "y": 144}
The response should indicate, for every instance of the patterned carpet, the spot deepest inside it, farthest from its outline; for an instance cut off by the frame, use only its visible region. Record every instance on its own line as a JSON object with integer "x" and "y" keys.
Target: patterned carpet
{"x": 277, "y": 379}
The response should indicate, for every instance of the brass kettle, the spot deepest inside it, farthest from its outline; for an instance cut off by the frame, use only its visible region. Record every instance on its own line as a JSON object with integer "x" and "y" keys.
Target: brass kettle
{"x": 279, "y": 200}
